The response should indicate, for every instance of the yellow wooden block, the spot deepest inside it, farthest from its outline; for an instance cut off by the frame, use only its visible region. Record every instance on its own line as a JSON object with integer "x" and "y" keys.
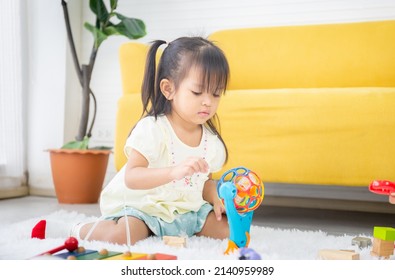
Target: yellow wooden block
{"x": 175, "y": 241}
{"x": 338, "y": 255}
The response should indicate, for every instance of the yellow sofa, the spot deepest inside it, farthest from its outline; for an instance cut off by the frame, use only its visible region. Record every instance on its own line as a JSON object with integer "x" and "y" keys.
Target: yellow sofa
{"x": 312, "y": 104}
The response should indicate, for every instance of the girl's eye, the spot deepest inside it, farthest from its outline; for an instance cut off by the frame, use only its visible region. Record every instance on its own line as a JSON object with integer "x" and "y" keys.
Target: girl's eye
{"x": 196, "y": 92}
{"x": 218, "y": 93}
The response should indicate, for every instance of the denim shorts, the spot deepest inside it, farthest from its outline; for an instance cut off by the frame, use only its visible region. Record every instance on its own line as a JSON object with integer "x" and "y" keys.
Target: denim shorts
{"x": 187, "y": 224}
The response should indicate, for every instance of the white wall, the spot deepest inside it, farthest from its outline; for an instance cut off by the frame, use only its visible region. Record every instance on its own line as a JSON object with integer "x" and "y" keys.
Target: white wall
{"x": 46, "y": 87}
{"x": 165, "y": 19}
{"x": 52, "y": 114}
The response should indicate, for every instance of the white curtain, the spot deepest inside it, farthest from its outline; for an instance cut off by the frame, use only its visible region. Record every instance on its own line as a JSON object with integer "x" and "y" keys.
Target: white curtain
{"x": 12, "y": 96}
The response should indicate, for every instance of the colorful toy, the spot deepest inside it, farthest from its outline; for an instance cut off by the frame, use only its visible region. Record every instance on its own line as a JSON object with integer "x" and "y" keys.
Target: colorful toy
{"x": 70, "y": 244}
{"x": 383, "y": 187}
{"x": 361, "y": 242}
{"x": 39, "y": 230}
{"x": 241, "y": 191}
{"x": 79, "y": 253}
{"x": 248, "y": 254}
{"x": 383, "y": 242}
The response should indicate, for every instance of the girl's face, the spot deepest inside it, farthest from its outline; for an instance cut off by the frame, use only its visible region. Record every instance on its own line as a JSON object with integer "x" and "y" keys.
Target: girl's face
{"x": 191, "y": 102}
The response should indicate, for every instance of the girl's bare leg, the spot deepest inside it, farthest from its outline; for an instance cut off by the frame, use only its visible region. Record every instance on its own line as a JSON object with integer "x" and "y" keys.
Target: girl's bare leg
{"x": 215, "y": 229}
{"x": 115, "y": 231}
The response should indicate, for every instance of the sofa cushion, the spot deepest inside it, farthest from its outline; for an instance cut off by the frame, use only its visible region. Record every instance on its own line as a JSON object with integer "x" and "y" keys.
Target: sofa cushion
{"x": 341, "y": 136}
{"x": 311, "y": 56}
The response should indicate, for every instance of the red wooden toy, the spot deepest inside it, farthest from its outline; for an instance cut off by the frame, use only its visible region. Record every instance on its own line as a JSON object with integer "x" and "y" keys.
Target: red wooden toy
{"x": 70, "y": 244}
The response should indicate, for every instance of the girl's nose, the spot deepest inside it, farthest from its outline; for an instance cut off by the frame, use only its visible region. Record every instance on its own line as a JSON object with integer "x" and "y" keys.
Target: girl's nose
{"x": 206, "y": 100}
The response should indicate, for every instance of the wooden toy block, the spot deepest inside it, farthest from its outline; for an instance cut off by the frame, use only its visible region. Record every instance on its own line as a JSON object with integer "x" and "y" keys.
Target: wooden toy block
{"x": 374, "y": 254}
{"x": 103, "y": 254}
{"x": 380, "y": 255}
{"x": 128, "y": 256}
{"x": 382, "y": 248}
{"x": 338, "y": 255}
{"x": 384, "y": 233}
{"x": 361, "y": 242}
{"x": 175, "y": 241}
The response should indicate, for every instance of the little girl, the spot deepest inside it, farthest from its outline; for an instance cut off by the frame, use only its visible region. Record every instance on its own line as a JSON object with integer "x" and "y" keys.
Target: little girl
{"x": 165, "y": 188}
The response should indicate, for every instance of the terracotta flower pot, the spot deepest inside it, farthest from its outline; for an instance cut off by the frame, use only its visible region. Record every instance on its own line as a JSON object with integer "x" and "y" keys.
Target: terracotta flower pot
{"x": 78, "y": 175}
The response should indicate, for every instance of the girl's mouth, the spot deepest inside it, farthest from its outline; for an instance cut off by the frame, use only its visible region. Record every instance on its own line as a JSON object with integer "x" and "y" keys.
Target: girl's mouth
{"x": 203, "y": 114}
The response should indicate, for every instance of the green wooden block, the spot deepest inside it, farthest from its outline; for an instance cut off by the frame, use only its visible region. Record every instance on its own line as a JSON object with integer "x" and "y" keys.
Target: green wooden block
{"x": 384, "y": 233}
{"x": 97, "y": 256}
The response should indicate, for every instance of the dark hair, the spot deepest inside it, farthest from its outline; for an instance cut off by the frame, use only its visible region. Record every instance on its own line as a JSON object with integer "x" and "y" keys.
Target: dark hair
{"x": 176, "y": 61}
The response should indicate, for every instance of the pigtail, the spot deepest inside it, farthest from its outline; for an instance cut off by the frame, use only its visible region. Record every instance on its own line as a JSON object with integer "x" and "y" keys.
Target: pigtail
{"x": 149, "y": 94}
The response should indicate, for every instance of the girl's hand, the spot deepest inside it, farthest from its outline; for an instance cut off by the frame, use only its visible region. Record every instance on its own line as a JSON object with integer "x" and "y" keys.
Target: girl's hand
{"x": 219, "y": 209}
{"x": 189, "y": 167}
{"x": 392, "y": 198}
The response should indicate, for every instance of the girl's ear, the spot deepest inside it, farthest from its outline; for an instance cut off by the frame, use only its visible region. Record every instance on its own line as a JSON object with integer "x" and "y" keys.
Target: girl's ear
{"x": 167, "y": 88}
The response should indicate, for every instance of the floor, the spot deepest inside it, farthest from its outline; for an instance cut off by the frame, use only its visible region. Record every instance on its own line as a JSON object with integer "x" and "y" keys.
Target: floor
{"x": 333, "y": 222}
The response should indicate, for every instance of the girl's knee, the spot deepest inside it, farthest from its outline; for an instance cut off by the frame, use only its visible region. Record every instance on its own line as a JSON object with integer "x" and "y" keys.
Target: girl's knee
{"x": 120, "y": 232}
{"x": 214, "y": 228}
{"x": 137, "y": 230}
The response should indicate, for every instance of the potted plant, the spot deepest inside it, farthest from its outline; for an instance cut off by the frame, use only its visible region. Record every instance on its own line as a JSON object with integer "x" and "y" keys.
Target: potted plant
{"x": 78, "y": 170}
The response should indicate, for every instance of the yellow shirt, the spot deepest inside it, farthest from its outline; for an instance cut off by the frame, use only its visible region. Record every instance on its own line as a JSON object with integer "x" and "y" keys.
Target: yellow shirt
{"x": 158, "y": 143}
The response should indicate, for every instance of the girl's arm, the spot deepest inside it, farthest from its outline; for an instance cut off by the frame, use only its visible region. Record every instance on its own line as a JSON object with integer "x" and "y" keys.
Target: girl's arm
{"x": 211, "y": 196}
{"x": 139, "y": 176}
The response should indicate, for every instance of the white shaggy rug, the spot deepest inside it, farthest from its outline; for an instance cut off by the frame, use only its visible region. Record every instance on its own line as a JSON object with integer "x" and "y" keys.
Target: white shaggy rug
{"x": 271, "y": 244}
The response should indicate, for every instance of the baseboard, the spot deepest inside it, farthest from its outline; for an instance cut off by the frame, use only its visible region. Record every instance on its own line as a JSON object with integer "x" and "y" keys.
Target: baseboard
{"x": 14, "y": 192}
{"x": 42, "y": 192}
{"x": 13, "y": 187}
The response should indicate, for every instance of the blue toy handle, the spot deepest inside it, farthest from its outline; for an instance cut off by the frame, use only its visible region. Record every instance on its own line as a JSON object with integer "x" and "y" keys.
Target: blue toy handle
{"x": 239, "y": 224}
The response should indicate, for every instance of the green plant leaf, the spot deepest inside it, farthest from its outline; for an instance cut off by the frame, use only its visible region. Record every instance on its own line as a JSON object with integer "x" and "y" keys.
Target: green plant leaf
{"x": 111, "y": 30}
{"x": 132, "y": 28}
{"x": 113, "y": 4}
{"x": 98, "y": 35}
{"x": 99, "y": 9}
{"x": 77, "y": 145}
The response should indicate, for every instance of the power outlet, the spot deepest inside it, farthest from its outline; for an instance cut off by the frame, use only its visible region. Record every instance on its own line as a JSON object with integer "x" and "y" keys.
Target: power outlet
{"x": 104, "y": 134}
